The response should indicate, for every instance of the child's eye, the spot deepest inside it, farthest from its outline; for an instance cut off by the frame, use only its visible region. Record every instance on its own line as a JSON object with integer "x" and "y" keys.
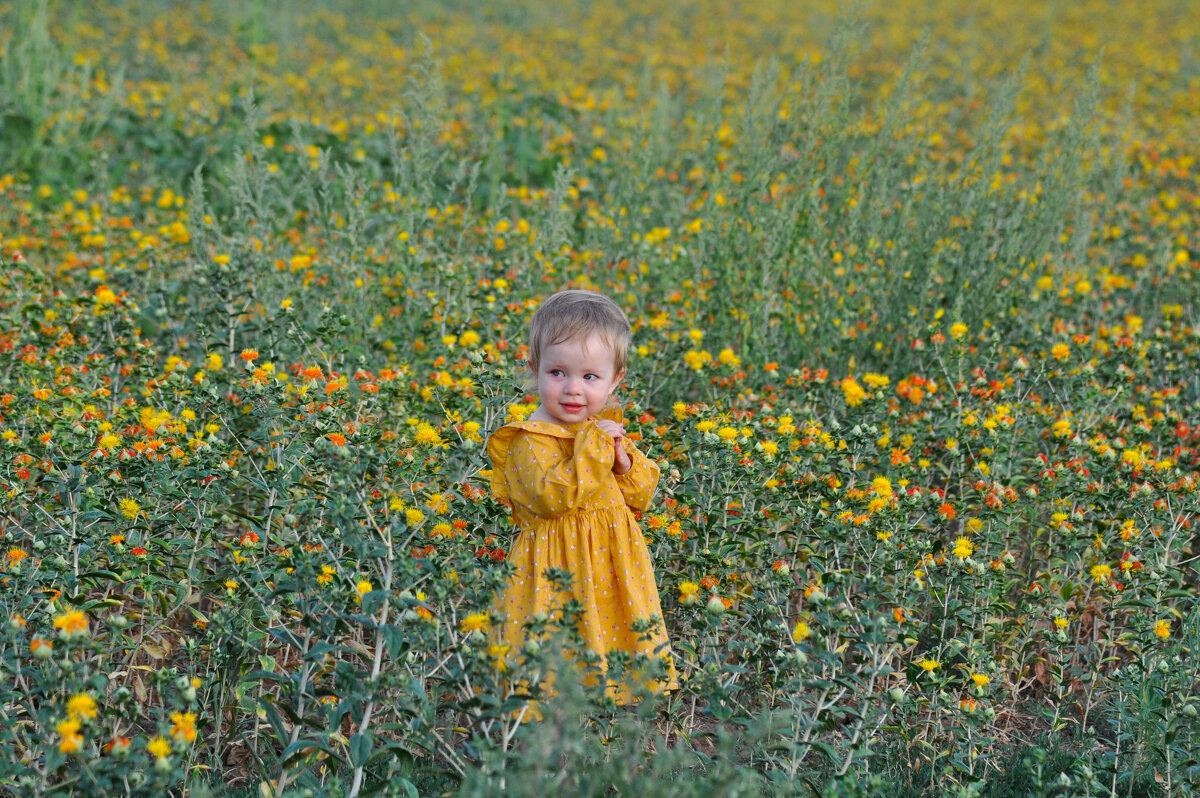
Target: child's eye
{"x": 555, "y": 372}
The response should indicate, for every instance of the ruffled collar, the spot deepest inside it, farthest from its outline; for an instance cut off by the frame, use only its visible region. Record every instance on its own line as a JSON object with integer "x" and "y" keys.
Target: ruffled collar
{"x": 500, "y": 441}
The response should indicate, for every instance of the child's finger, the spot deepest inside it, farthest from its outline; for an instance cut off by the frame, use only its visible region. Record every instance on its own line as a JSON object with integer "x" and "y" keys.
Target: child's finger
{"x": 611, "y": 428}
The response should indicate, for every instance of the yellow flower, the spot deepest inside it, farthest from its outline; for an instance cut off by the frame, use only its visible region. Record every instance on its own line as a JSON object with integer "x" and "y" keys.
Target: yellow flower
{"x": 963, "y": 548}
{"x": 159, "y": 747}
{"x": 1061, "y": 622}
{"x": 185, "y": 726}
{"x": 499, "y": 655}
{"x": 475, "y": 622}
{"x": 1100, "y": 572}
{"x": 1162, "y": 629}
{"x": 72, "y": 740}
{"x": 958, "y": 330}
{"x": 519, "y": 412}
{"x": 1060, "y": 351}
{"x": 363, "y": 588}
{"x": 72, "y": 623}
{"x": 687, "y": 593}
{"x": 980, "y": 679}
{"x": 929, "y": 665}
{"x": 706, "y": 426}
{"x": 129, "y": 508}
{"x": 326, "y": 575}
{"x": 697, "y": 360}
{"x": 426, "y": 435}
{"x": 727, "y": 433}
{"x": 853, "y": 392}
{"x": 800, "y": 632}
{"x": 882, "y": 486}
{"x": 81, "y": 705}
{"x": 414, "y": 516}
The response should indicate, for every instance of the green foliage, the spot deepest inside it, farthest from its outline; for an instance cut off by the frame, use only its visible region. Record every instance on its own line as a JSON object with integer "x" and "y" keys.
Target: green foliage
{"x": 914, "y": 346}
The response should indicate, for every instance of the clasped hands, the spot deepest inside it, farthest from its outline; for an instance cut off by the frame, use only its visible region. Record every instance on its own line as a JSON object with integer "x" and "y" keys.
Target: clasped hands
{"x": 621, "y": 461}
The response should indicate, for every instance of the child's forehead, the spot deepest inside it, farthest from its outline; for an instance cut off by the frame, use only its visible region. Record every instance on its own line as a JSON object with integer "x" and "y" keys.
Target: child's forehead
{"x": 592, "y": 346}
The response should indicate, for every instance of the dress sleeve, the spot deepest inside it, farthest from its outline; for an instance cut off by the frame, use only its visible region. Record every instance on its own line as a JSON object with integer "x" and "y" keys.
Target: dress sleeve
{"x": 638, "y": 483}
{"x": 550, "y": 484}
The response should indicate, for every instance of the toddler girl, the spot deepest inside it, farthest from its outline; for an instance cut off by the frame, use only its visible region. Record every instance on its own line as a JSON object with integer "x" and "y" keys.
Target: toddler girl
{"x": 572, "y": 478}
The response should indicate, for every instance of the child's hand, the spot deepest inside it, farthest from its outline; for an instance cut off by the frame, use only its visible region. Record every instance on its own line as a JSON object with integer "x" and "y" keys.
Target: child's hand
{"x": 621, "y": 461}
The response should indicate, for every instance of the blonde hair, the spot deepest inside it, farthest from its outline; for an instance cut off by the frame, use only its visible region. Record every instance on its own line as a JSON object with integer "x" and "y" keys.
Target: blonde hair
{"x": 573, "y": 314}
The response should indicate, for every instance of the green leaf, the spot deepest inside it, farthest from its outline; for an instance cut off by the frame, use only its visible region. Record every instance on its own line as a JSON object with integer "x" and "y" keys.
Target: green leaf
{"x": 360, "y": 748}
{"x": 301, "y": 748}
{"x": 266, "y": 676}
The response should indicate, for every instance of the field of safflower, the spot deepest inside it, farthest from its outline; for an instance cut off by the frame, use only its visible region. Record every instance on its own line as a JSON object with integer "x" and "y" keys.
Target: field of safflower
{"x": 914, "y": 297}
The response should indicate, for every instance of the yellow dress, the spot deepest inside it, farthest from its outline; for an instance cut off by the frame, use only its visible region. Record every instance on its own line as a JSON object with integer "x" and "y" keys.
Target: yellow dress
{"x": 574, "y": 513}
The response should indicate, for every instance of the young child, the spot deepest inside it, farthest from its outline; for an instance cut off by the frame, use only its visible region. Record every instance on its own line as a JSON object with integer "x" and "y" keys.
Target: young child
{"x": 573, "y": 478}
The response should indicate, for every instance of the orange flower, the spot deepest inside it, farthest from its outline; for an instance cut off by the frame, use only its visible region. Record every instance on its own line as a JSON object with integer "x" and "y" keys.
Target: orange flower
{"x": 40, "y": 648}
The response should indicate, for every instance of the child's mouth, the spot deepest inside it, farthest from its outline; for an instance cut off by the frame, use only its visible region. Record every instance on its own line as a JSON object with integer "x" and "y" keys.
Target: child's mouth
{"x": 570, "y": 408}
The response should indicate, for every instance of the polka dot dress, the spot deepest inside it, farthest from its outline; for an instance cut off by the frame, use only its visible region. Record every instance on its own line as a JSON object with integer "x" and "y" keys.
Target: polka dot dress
{"x": 574, "y": 513}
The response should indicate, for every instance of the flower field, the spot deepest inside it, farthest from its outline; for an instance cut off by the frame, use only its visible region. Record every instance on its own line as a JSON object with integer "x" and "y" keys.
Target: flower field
{"x": 914, "y": 292}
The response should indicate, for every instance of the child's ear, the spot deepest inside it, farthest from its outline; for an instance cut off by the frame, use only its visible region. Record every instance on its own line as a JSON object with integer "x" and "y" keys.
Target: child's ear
{"x": 616, "y": 382}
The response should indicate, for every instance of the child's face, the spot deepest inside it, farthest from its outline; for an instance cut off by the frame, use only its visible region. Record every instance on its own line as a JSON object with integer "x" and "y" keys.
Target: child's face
{"x": 575, "y": 379}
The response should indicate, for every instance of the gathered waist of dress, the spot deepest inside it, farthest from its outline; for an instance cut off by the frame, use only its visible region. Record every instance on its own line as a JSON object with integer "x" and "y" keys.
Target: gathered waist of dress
{"x": 602, "y": 516}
